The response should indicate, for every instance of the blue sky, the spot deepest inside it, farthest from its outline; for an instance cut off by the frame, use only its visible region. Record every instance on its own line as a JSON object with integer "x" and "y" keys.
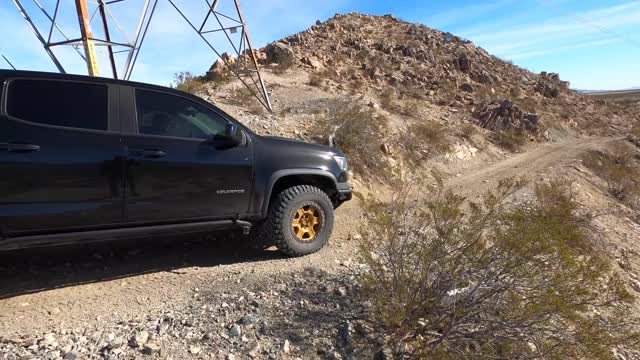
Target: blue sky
{"x": 538, "y": 35}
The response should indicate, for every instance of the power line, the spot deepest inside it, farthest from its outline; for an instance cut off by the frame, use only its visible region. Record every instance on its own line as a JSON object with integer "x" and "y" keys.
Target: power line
{"x": 9, "y": 62}
{"x": 592, "y": 24}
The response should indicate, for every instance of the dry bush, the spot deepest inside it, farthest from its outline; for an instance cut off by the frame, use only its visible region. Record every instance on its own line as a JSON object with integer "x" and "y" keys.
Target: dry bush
{"x": 315, "y": 79}
{"x": 388, "y": 100}
{"x": 511, "y": 139}
{"x": 635, "y": 129}
{"x": 467, "y": 131}
{"x": 411, "y": 107}
{"x": 244, "y": 97}
{"x": 187, "y": 82}
{"x": 453, "y": 279}
{"x": 318, "y": 78}
{"x": 357, "y": 131}
{"x": 424, "y": 140}
{"x": 283, "y": 65}
{"x": 619, "y": 169}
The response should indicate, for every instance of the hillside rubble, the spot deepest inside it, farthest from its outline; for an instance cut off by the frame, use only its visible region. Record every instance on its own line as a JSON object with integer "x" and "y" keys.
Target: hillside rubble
{"x": 313, "y": 315}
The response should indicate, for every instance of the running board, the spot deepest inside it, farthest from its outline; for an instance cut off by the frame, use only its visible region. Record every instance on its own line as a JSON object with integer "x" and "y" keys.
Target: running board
{"x": 21, "y": 242}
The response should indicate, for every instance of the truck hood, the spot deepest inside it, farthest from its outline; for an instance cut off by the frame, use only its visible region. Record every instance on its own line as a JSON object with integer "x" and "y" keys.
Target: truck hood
{"x": 299, "y": 144}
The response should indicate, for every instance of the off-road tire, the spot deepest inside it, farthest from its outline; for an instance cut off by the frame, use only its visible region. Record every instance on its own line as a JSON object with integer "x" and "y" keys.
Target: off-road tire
{"x": 277, "y": 229}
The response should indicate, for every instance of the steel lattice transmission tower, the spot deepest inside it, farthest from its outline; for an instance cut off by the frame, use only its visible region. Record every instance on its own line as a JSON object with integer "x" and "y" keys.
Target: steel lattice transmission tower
{"x": 110, "y": 34}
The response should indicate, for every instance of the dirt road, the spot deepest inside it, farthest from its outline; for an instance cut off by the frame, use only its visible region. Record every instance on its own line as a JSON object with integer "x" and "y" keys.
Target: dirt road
{"x": 526, "y": 165}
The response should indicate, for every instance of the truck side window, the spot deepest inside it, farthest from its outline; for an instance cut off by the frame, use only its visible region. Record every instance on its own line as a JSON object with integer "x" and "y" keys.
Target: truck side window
{"x": 59, "y": 103}
{"x": 168, "y": 115}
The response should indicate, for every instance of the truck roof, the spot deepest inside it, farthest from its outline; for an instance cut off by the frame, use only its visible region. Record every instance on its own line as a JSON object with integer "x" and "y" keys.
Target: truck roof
{"x": 4, "y": 73}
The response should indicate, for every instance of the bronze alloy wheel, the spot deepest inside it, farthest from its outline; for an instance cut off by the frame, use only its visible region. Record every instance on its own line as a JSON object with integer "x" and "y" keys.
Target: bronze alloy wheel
{"x": 307, "y": 223}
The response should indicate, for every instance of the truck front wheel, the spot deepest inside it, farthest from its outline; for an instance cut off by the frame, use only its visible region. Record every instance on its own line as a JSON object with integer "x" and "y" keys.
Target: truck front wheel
{"x": 300, "y": 220}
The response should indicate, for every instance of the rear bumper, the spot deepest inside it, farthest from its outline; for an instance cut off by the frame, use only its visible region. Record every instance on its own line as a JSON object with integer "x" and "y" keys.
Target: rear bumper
{"x": 344, "y": 194}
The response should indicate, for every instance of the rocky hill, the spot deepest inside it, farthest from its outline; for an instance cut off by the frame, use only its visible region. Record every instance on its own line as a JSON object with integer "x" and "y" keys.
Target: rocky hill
{"x": 392, "y": 60}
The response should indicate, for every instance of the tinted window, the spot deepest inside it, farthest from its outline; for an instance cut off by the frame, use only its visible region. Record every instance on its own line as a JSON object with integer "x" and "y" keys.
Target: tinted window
{"x": 60, "y": 103}
{"x": 168, "y": 115}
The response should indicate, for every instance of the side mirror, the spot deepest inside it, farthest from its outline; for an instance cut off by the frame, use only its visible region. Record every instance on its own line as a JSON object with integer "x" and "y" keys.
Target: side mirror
{"x": 232, "y": 137}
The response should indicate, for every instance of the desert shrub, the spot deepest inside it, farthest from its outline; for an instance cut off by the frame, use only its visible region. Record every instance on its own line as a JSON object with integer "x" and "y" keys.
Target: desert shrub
{"x": 426, "y": 139}
{"x": 242, "y": 96}
{"x": 411, "y": 107}
{"x": 453, "y": 279}
{"x": 187, "y": 82}
{"x": 511, "y": 139}
{"x": 515, "y": 91}
{"x": 283, "y": 65}
{"x": 315, "y": 79}
{"x": 635, "y": 129}
{"x": 467, "y": 131}
{"x": 357, "y": 131}
{"x": 388, "y": 100}
{"x": 619, "y": 170}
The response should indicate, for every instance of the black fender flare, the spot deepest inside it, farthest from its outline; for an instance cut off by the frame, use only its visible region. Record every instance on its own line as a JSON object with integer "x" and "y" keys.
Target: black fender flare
{"x": 289, "y": 172}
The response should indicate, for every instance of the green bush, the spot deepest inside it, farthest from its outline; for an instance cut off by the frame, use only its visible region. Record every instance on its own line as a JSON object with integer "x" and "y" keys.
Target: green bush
{"x": 187, "y": 82}
{"x": 453, "y": 279}
{"x": 619, "y": 170}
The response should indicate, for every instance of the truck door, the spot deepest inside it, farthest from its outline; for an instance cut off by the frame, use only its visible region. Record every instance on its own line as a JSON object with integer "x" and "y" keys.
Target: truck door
{"x": 173, "y": 172}
{"x": 60, "y": 157}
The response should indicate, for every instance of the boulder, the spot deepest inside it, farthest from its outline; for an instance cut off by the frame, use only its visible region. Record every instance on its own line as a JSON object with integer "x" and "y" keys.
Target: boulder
{"x": 280, "y": 53}
{"x": 217, "y": 71}
{"x": 467, "y": 87}
{"x": 463, "y": 63}
{"x": 313, "y": 62}
{"x": 505, "y": 115}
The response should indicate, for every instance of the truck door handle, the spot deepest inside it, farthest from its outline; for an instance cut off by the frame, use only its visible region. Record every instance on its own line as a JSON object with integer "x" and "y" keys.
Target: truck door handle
{"x": 16, "y": 147}
{"x": 147, "y": 153}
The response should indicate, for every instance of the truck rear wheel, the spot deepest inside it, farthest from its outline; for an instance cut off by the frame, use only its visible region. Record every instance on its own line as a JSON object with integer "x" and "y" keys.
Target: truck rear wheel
{"x": 300, "y": 220}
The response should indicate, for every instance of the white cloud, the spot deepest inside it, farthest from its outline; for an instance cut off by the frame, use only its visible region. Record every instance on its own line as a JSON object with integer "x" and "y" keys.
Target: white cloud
{"x": 559, "y": 49}
{"x": 560, "y": 33}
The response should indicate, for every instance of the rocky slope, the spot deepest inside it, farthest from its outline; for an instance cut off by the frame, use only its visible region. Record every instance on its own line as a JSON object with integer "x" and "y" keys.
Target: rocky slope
{"x": 385, "y": 57}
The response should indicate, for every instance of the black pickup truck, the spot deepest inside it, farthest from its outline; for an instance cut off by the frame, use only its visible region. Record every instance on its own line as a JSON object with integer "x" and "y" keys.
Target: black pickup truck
{"x": 89, "y": 159}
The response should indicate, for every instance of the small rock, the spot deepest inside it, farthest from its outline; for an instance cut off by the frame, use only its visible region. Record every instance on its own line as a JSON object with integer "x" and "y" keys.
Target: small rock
{"x": 162, "y": 328}
{"x": 151, "y": 348}
{"x": 249, "y": 319}
{"x": 385, "y": 149}
{"x": 286, "y": 348}
{"x": 345, "y": 337}
{"x": 54, "y": 311}
{"x": 71, "y": 355}
{"x": 49, "y": 339}
{"x": 194, "y": 349}
{"x": 140, "y": 339}
{"x": 342, "y": 291}
{"x": 467, "y": 87}
{"x": 235, "y": 331}
{"x": 383, "y": 354}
